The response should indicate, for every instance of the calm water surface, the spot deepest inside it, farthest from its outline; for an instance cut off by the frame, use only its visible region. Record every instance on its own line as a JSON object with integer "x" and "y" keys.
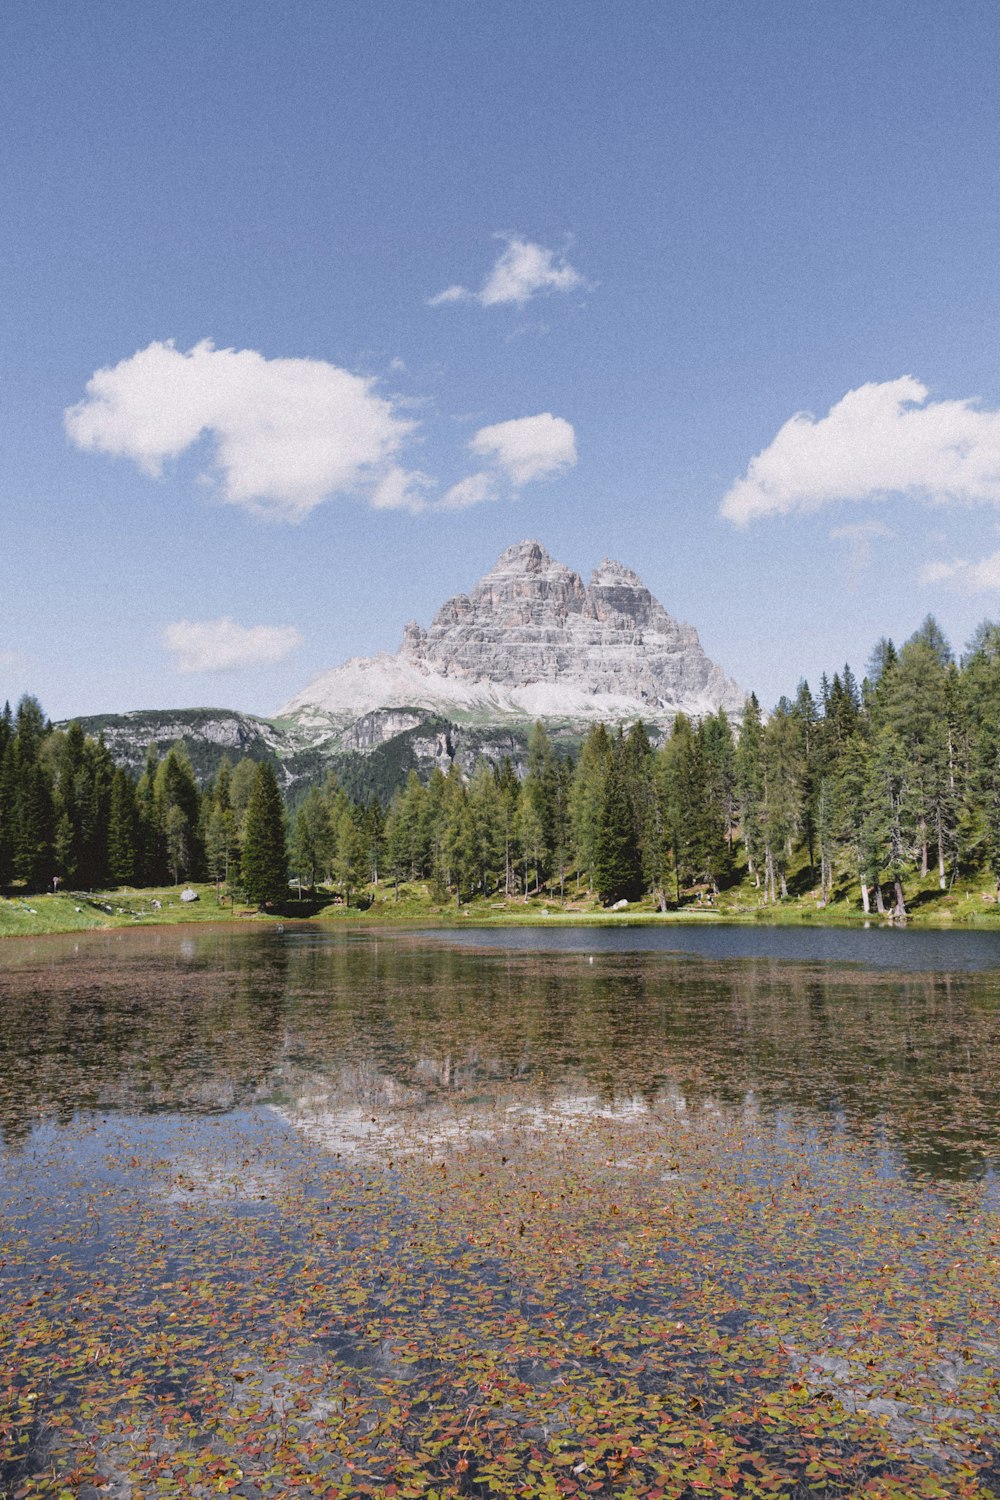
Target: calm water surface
{"x": 879, "y": 946}
{"x": 257, "y": 1187}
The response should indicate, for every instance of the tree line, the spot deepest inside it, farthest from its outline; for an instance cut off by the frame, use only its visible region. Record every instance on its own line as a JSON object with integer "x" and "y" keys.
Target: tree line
{"x": 69, "y": 816}
{"x": 859, "y": 789}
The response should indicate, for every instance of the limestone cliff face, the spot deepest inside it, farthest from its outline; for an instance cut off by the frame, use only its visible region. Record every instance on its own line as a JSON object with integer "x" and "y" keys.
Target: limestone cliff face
{"x": 532, "y": 640}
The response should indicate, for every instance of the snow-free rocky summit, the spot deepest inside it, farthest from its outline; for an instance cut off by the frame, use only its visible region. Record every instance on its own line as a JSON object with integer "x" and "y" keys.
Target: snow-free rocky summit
{"x": 530, "y": 641}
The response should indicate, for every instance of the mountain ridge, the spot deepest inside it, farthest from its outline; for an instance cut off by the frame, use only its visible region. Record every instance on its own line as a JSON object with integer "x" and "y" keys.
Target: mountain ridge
{"x": 531, "y": 640}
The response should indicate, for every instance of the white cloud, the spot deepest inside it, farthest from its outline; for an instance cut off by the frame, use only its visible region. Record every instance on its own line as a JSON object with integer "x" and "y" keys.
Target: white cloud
{"x": 971, "y": 578}
{"x": 528, "y": 447}
{"x": 289, "y": 433}
{"x": 861, "y": 532}
{"x": 224, "y": 646}
{"x": 401, "y": 489}
{"x": 880, "y": 439}
{"x": 522, "y": 271}
{"x": 467, "y": 492}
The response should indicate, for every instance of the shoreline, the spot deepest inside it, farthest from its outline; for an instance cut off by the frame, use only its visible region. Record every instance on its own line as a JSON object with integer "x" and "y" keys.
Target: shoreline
{"x": 69, "y": 913}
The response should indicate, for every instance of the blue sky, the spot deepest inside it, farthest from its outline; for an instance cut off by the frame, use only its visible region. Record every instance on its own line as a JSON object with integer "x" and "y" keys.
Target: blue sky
{"x": 707, "y": 219}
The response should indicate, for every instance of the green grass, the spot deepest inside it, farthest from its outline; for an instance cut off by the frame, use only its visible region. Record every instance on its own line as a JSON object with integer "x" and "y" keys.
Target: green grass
{"x": 31, "y": 916}
{"x": 970, "y": 902}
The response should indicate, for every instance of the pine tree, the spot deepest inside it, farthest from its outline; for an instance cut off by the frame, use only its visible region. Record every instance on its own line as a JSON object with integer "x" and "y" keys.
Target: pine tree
{"x": 459, "y": 839}
{"x": 509, "y": 790}
{"x": 487, "y": 812}
{"x": 312, "y": 838}
{"x": 781, "y": 747}
{"x": 852, "y": 827}
{"x": 373, "y": 833}
{"x": 263, "y": 860}
{"x": 7, "y": 797}
{"x": 585, "y": 796}
{"x": 178, "y": 813}
{"x": 123, "y": 831}
{"x": 351, "y": 860}
{"x": 539, "y": 789}
{"x": 397, "y": 849}
{"x": 617, "y": 861}
{"x": 749, "y": 778}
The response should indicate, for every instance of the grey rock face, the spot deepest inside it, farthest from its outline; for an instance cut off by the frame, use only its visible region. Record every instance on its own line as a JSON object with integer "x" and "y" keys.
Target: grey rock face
{"x": 378, "y": 727}
{"x": 530, "y": 641}
{"x": 532, "y": 620}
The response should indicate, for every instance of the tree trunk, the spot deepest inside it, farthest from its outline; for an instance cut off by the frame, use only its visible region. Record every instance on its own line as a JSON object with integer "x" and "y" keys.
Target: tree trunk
{"x": 942, "y": 883}
{"x": 661, "y": 899}
{"x": 879, "y": 903}
{"x": 900, "y": 903}
{"x": 866, "y": 905}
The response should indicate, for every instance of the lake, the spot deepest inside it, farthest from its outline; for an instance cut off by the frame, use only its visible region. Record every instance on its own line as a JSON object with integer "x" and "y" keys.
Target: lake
{"x": 616, "y": 1212}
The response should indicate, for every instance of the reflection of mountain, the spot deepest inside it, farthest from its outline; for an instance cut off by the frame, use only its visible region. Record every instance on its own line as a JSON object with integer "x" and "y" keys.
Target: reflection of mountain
{"x": 411, "y": 1032}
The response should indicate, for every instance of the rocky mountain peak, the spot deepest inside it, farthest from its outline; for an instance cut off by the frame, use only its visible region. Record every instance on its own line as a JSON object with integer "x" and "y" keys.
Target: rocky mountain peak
{"x": 617, "y": 575}
{"x": 530, "y": 638}
{"x": 524, "y": 557}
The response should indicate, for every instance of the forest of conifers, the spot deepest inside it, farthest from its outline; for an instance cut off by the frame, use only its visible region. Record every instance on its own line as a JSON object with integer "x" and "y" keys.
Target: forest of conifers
{"x": 863, "y": 788}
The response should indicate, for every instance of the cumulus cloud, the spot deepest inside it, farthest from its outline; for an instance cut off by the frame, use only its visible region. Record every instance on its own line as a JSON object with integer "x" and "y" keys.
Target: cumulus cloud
{"x": 288, "y": 433}
{"x": 468, "y": 492}
{"x": 971, "y": 578}
{"x": 881, "y": 439}
{"x": 224, "y": 646}
{"x": 521, "y": 272}
{"x": 401, "y": 489}
{"x": 528, "y": 447}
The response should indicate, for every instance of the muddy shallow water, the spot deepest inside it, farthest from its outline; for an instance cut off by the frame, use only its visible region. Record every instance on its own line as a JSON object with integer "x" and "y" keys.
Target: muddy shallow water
{"x": 369, "y": 1213}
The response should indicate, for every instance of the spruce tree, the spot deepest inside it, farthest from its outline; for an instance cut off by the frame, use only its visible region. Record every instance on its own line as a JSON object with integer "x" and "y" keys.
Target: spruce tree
{"x": 617, "y": 860}
{"x": 312, "y": 838}
{"x": 585, "y": 797}
{"x": 123, "y": 831}
{"x": 264, "y": 861}
{"x": 351, "y": 861}
{"x": 749, "y": 776}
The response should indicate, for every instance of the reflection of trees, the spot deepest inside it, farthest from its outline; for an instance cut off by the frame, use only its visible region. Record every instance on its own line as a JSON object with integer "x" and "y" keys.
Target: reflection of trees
{"x": 160, "y": 1024}
{"x": 235, "y": 1016}
{"x": 916, "y": 1053}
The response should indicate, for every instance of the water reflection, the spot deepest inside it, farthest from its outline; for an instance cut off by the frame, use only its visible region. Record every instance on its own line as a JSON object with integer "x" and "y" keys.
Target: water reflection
{"x": 144, "y": 1022}
{"x": 282, "y": 1213}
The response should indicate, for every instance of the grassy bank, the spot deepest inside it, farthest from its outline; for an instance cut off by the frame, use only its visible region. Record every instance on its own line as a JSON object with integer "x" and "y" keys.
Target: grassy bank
{"x": 970, "y": 902}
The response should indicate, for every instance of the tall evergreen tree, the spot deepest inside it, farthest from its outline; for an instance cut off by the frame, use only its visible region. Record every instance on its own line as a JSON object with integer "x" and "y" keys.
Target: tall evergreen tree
{"x": 263, "y": 859}
{"x": 586, "y": 795}
{"x": 123, "y": 830}
{"x": 749, "y": 779}
{"x": 312, "y": 838}
{"x": 617, "y": 860}
{"x": 351, "y": 859}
